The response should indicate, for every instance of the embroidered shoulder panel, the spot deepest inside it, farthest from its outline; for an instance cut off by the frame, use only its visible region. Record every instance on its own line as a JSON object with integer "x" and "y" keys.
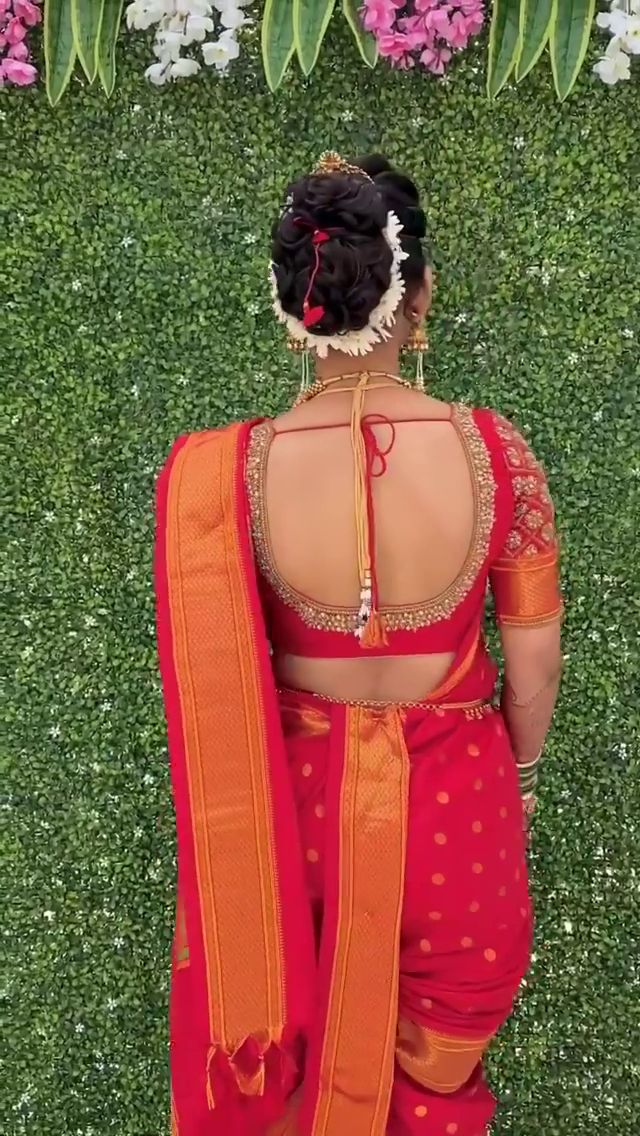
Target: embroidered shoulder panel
{"x": 397, "y": 618}
{"x": 533, "y": 529}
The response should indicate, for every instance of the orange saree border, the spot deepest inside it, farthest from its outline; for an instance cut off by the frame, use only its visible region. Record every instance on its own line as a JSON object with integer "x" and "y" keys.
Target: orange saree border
{"x": 355, "y": 1076}
{"x": 437, "y": 1061}
{"x": 527, "y": 589}
{"x": 225, "y": 746}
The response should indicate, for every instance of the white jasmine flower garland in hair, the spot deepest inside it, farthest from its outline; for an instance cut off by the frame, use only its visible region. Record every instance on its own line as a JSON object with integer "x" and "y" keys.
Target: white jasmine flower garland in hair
{"x": 380, "y": 321}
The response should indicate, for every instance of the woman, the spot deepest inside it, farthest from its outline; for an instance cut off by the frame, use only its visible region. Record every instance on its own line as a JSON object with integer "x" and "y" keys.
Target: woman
{"x": 353, "y": 919}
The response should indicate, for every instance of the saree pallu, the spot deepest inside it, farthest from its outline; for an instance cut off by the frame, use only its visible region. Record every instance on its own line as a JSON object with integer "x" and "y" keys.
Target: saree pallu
{"x": 352, "y": 915}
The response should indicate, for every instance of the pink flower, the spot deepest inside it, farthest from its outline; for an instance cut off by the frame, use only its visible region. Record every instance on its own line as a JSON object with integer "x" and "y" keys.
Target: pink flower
{"x": 378, "y": 15}
{"x": 15, "y": 71}
{"x": 429, "y": 31}
{"x": 396, "y": 47}
{"x": 437, "y": 20}
{"x": 28, "y": 12}
{"x": 18, "y": 51}
{"x": 4, "y": 7}
{"x": 435, "y": 59}
{"x": 15, "y": 31}
{"x": 458, "y": 32}
{"x": 415, "y": 31}
{"x": 474, "y": 11}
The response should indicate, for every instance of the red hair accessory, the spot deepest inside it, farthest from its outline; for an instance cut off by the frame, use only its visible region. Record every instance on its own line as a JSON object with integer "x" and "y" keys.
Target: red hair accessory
{"x": 313, "y": 315}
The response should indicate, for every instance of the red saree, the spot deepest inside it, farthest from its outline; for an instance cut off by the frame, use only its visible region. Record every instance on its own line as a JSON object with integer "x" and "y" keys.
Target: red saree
{"x": 352, "y": 919}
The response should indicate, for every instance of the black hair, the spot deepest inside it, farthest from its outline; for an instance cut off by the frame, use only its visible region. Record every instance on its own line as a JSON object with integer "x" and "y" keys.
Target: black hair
{"x": 355, "y": 263}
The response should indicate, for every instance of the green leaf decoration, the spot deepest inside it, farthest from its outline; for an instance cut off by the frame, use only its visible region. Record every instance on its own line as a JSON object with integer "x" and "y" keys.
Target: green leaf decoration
{"x": 366, "y": 42}
{"x": 536, "y": 17}
{"x": 504, "y": 44}
{"x": 86, "y": 18}
{"x": 111, "y": 20}
{"x": 570, "y": 33}
{"x": 277, "y": 40}
{"x": 310, "y": 22}
{"x": 59, "y": 48}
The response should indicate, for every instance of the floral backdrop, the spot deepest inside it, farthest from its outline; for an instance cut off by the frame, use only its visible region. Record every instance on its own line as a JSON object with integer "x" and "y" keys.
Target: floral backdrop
{"x": 135, "y": 307}
{"x": 427, "y": 34}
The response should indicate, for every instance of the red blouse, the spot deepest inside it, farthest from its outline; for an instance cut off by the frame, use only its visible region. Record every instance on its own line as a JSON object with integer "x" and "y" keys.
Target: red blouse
{"x": 513, "y": 548}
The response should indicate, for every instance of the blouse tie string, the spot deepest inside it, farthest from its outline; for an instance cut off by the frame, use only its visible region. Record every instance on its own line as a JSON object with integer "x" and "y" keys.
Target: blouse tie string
{"x": 370, "y": 460}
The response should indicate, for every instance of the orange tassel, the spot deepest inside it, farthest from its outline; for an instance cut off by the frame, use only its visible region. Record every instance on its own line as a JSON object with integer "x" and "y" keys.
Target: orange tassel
{"x": 375, "y": 633}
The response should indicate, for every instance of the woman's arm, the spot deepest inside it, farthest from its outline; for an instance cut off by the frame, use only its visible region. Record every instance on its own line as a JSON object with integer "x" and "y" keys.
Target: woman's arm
{"x": 532, "y": 670}
{"x": 526, "y": 586}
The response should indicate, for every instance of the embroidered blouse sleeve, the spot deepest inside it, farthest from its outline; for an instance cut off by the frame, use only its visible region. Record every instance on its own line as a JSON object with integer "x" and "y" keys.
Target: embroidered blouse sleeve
{"x": 525, "y": 576}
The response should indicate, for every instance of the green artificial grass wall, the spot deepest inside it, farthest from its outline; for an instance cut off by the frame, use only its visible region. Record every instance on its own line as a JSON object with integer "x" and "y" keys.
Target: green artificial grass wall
{"x": 135, "y": 308}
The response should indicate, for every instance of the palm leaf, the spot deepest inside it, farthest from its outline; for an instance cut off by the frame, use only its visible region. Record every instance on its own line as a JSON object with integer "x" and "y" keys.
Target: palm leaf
{"x": 86, "y": 18}
{"x": 277, "y": 40}
{"x": 570, "y": 32}
{"x": 111, "y": 20}
{"x": 536, "y": 17}
{"x": 504, "y": 43}
{"x": 59, "y": 48}
{"x": 365, "y": 41}
{"x": 310, "y": 22}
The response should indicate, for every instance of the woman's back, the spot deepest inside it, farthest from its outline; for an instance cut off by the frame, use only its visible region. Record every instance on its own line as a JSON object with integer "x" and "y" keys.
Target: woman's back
{"x": 425, "y": 501}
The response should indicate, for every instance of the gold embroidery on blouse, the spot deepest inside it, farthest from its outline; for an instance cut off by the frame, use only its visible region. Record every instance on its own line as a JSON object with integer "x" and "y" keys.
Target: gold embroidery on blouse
{"x": 397, "y": 618}
{"x": 533, "y": 529}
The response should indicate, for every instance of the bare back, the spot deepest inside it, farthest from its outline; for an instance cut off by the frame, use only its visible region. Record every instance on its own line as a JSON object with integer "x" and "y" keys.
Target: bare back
{"x": 424, "y": 522}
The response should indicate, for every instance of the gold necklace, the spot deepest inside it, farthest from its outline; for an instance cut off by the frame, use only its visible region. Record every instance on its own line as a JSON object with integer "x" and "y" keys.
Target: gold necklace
{"x": 320, "y": 386}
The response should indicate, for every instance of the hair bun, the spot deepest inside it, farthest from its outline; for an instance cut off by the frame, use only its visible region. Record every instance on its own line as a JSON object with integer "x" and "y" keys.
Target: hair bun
{"x": 354, "y": 265}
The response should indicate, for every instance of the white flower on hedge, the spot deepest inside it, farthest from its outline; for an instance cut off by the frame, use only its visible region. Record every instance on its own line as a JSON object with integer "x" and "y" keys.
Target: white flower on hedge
{"x": 231, "y": 14}
{"x": 614, "y": 64}
{"x": 623, "y": 22}
{"x": 180, "y": 23}
{"x": 141, "y": 14}
{"x": 219, "y": 53}
{"x": 158, "y": 73}
{"x": 196, "y": 28}
{"x": 184, "y": 67}
{"x": 168, "y": 44}
{"x": 625, "y": 26}
{"x": 631, "y": 37}
{"x": 193, "y": 7}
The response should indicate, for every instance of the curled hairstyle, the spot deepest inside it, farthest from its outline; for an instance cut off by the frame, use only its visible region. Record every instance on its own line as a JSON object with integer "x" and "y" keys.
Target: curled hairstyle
{"x": 355, "y": 263}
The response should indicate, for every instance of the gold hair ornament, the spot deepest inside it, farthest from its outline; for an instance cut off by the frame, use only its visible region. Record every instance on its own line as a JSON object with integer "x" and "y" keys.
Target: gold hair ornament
{"x": 331, "y": 163}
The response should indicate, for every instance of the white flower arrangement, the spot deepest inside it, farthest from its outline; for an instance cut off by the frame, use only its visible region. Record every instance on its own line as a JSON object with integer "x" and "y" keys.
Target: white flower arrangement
{"x": 380, "y": 321}
{"x": 187, "y": 24}
{"x": 622, "y": 21}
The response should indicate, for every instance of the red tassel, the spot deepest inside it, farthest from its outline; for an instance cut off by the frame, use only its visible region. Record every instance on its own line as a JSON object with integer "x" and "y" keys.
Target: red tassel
{"x": 312, "y": 315}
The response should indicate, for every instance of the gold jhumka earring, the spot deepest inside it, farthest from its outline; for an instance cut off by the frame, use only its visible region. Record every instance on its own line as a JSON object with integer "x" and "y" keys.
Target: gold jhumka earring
{"x": 417, "y": 344}
{"x": 299, "y": 347}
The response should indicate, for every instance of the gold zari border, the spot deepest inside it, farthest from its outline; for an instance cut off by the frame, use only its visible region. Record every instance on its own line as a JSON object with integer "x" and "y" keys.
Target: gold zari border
{"x": 226, "y": 755}
{"x": 437, "y": 1061}
{"x": 397, "y": 618}
{"x": 357, "y": 1061}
